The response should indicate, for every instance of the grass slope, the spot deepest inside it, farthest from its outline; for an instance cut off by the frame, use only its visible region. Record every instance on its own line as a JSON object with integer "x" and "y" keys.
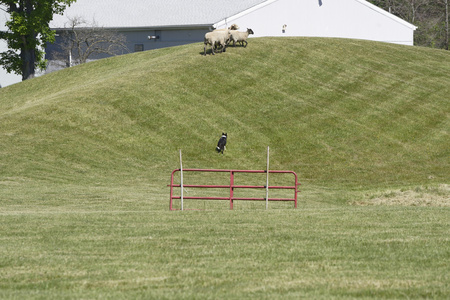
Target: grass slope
{"x": 339, "y": 112}
{"x": 86, "y": 154}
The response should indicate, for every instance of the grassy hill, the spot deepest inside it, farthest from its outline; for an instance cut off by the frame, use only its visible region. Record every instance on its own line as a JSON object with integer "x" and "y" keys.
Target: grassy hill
{"x": 338, "y": 112}
{"x": 86, "y": 155}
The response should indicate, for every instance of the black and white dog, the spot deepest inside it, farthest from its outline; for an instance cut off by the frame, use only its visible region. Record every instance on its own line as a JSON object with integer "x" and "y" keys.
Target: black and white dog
{"x": 222, "y": 142}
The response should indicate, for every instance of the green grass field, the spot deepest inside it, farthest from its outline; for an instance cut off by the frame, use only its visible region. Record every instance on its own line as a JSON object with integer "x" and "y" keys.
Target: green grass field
{"x": 86, "y": 156}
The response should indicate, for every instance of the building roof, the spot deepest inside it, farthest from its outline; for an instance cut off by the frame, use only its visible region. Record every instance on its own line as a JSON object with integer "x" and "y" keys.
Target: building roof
{"x": 153, "y": 13}
{"x": 173, "y": 13}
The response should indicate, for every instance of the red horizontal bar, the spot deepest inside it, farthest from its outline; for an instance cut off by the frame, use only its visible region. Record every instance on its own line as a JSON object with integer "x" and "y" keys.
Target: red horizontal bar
{"x": 202, "y": 186}
{"x": 234, "y": 198}
{"x": 235, "y": 171}
{"x": 262, "y": 187}
{"x": 202, "y": 198}
{"x": 233, "y": 186}
{"x": 264, "y": 199}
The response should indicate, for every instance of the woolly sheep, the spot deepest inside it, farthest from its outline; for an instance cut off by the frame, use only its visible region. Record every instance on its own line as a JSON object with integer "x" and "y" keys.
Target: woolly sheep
{"x": 216, "y": 37}
{"x": 240, "y": 36}
{"x": 232, "y": 27}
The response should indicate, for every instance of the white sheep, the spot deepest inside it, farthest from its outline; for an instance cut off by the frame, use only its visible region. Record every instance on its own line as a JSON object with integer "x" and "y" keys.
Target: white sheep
{"x": 232, "y": 27}
{"x": 219, "y": 37}
{"x": 240, "y": 36}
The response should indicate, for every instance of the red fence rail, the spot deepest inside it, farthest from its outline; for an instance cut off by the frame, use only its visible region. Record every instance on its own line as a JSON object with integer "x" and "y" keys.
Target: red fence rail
{"x": 231, "y": 186}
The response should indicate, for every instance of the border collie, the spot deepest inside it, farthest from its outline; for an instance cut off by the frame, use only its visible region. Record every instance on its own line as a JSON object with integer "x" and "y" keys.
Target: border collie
{"x": 221, "y": 144}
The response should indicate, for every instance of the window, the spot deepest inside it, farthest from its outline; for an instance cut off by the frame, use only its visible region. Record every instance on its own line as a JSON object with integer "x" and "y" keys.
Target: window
{"x": 138, "y": 47}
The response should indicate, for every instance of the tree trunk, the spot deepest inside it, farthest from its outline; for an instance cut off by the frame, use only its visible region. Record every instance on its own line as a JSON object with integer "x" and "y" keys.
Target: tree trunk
{"x": 28, "y": 51}
{"x": 446, "y": 24}
{"x": 28, "y": 56}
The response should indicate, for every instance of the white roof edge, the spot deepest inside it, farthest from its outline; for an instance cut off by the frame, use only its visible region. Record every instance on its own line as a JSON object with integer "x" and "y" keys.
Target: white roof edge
{"x": 387, "y": 14}
{"x": 363, "y": 2}
{"x": 243, "y": 13}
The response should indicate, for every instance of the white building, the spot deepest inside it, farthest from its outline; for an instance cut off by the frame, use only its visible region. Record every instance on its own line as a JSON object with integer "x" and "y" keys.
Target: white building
{"x": 355, "y": 19}
{"x": 177, "y": 22}
{"x": 6, "y": 78}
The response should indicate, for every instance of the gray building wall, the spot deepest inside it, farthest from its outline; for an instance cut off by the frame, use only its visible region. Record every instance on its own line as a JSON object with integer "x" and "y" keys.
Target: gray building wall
{"x": 138, "y": 40}
{"x": 167, "y": 38}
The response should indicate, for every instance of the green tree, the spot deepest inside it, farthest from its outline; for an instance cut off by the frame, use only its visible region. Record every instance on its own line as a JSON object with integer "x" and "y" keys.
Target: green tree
{"x": 28, "y": 32}
{"x": 430, "y": 16}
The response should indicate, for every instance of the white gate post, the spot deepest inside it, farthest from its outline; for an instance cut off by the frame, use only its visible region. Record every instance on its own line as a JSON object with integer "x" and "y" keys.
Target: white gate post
{"x": 181, "y": 183}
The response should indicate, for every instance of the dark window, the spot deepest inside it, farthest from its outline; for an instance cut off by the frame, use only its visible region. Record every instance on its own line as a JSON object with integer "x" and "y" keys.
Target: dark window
{"x": 138, "y": 47}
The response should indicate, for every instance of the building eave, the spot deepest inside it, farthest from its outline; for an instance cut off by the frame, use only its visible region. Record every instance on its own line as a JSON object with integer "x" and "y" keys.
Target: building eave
{"x": 143, "y": 28}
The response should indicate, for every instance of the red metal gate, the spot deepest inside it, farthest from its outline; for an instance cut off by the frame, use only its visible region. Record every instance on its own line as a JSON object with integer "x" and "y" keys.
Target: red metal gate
{"x": 231, "y": 186}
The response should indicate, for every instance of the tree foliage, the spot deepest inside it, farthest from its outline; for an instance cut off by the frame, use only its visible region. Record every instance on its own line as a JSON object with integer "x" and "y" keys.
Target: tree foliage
{"x": 430, "y": 17}
{"x": 28, "y": 32}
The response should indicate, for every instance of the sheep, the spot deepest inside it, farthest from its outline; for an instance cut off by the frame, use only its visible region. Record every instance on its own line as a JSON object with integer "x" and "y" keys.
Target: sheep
{"x": 238, "y": 36}
{"x": 232, "y": 27}
{"x": 218, "y": 43}
{"x": 216, "y": 37}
